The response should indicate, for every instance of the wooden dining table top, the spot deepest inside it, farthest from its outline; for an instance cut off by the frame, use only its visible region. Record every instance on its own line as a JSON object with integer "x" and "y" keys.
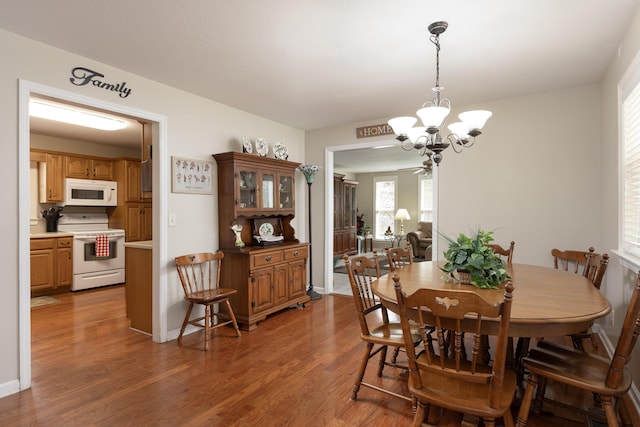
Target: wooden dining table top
{"x": 546, "y": 301}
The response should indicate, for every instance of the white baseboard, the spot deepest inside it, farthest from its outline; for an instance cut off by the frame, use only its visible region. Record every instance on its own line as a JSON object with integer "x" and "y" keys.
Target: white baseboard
{"x": 10, "y": 387}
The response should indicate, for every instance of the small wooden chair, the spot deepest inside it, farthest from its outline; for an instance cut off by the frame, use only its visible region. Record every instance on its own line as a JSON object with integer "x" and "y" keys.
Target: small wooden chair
{"x": 200, "y": 278}
{"x": 570, "y": 260}
{"x": 608, "y": 378}
{"x": 456, "y": 384}
{"x": 375, "y": 328}
{"x": 594, "y": 270}
{"x": 399, "y": 257}
{"x": 506, "y": 253}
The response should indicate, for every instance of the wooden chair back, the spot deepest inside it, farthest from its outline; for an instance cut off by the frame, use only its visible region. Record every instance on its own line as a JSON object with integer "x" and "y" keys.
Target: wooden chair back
{"x": 199, "y": 272}
{"x": 595, "y": 268}
{"x": 399, "y": 257}
{"x": 362, "y": 271}
{"x": 627, "y": 340}
{"x": 506, "y": 253}
{"x": 446, "y": 310}
{"x": 570, "y": 260}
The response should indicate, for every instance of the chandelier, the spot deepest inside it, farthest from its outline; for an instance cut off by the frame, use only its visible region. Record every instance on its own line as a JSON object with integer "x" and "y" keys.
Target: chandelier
{"x": 428, "y": 139}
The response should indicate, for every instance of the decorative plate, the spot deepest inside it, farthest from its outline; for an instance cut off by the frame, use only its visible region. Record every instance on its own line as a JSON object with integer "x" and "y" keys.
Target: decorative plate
{"x": 280, "y": 151}
{"x": 262, "y": 148}
{"x": 246, "y": 145}
{"x": 266, "y": 230}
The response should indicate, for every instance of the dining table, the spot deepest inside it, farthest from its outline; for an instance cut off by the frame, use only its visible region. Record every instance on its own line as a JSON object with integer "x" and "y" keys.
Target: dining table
{"x": 546, "y": 301}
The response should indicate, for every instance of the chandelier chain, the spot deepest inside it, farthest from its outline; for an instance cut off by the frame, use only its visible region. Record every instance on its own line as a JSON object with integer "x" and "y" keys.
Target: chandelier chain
{"x": 435, "y": 39}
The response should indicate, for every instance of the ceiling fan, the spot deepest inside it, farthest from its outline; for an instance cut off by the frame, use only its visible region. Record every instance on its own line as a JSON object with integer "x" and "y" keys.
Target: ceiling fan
{"x": 425, "y": 169}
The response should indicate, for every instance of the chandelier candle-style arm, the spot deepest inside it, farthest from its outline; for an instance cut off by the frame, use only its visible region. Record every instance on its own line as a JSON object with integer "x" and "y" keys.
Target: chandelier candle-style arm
{"x": 427, "y": 139}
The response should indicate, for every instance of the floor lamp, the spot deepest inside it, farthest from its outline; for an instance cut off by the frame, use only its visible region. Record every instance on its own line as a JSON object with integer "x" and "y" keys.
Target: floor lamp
{"x": 309, "y": 172}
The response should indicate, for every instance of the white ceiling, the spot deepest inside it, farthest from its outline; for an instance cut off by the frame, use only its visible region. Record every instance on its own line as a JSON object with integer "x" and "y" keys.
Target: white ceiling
{"x": 314, "y": 64}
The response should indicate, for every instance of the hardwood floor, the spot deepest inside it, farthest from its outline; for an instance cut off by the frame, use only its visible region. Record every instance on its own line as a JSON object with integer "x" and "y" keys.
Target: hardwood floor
{"x": 296, "y": 369}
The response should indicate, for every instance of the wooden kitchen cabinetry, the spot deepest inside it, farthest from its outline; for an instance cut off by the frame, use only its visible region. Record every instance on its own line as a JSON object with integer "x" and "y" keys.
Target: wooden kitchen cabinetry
{"x": 345, "y": 211}
{"x": 134, "y": 212}
{"x": 85, "y": 167}
{"x": 271, "y": 278}
{"x": 51, "y": 176}
{"x": 51, "y": 265}
{"x": 138, "y": 287}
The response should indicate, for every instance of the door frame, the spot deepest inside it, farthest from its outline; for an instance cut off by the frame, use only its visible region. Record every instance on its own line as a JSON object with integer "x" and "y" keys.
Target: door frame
{"x": 328, "y": 203}
{"x": 160, "y": 186}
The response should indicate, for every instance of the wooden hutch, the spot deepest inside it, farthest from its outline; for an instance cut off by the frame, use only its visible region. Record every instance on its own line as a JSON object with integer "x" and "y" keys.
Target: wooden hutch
{"x": 257, "y": 190}
{"x": 345, "y": 211}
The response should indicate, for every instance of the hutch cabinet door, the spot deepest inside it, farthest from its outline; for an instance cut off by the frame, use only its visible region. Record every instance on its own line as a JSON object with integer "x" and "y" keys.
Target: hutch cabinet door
{"x": 247, "y": 190}
{"x": 262, "y": 289}
{"x": 268, "y": 189}
{"x": 298, "y": 278}
{"x": 286, "y": 192}
{"x": 281, "y": 283}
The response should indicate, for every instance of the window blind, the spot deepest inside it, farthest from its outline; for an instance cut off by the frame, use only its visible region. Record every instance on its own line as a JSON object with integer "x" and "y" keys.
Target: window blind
{"x": 631, "y": 141}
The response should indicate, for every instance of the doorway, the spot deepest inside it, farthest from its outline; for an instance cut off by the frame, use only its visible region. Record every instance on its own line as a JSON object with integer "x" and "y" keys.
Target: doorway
{"x": 160, "y": 174}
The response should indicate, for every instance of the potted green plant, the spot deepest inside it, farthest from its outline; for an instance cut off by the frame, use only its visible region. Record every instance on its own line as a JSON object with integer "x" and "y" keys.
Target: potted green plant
{"x": 471, "y": 255}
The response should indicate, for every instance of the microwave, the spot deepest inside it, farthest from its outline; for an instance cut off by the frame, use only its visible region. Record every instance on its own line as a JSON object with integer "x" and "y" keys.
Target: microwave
{"x": 87, "y": 192}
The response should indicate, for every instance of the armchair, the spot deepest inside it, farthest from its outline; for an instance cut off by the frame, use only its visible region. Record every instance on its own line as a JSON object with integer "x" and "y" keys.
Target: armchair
{"x": 421, "y": 240}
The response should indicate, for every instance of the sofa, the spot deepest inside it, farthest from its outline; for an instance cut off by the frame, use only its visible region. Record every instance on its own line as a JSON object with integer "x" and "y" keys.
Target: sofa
{"x": 421, "y": 240}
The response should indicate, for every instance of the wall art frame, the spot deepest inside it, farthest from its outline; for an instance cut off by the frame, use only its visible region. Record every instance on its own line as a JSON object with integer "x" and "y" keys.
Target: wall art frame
{"x": 191, "y": 176}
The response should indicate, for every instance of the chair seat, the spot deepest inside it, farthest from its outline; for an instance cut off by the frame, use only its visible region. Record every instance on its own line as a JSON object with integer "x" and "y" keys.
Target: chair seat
{"x": 580, "y": 369}
{"x": 210, "y": 295}
{"x": 451, "y": 393}
{"x": 389, "y": 334}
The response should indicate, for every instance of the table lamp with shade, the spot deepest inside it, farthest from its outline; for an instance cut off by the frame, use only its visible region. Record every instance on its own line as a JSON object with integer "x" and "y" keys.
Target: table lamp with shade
{"x": 402, "y": 214}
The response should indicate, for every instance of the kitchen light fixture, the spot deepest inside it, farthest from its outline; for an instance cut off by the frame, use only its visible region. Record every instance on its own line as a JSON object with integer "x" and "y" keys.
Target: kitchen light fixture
{"x": 72, "y": 116}
{"x": 402, "y": 214}
{"x": 427, "y": 139}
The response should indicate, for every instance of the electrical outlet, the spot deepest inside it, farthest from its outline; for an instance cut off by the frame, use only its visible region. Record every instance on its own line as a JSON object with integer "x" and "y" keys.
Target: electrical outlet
{"x": 172, "y": 220}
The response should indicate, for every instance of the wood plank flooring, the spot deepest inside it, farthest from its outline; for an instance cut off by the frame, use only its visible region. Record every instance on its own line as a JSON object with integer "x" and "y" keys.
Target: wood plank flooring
{"x": 296, "y": 369}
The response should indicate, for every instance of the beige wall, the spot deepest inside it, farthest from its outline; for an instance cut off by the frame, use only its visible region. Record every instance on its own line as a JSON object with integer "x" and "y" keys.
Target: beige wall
{"x": 196, "y": 128}
{"x": 534, "y": 163}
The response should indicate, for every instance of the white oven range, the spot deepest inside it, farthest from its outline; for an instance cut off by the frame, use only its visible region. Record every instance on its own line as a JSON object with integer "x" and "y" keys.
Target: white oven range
{"x": 89, "y": 270}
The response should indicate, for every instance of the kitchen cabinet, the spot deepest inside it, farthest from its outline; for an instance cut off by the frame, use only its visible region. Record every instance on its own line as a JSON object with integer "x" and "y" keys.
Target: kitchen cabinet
{"x": 134, "y": 212}
{"x": 345, "y": 211}
{"x": 51, "y": 178}
{"x": 85, "y": 167}
{"x": 51, "y": 265}
{"x": 139, "y": 222}
{"x": 138, "y": 287}
{"x": 146, "y": 162}
{"x": 271, "y": 278}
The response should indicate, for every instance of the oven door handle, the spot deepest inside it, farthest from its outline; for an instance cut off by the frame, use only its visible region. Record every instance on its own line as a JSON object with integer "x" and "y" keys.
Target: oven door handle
{"x": 93, "y": 238}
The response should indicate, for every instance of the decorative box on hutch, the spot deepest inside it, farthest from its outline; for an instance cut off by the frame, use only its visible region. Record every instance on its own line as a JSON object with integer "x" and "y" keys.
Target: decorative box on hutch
{"x": 253, "y": 191}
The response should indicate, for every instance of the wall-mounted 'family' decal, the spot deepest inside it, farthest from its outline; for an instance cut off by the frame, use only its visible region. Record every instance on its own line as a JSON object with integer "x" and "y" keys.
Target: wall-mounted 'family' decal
{"x": 83, "y": 76}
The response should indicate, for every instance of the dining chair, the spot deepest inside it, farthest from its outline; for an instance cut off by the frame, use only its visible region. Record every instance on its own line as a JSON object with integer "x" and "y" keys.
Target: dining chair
{"x": 592, "y": 266}
{"x": 607, "y": 378}
{"x": 200, "y": 277}
{"x": 375, "y": 327}
{"x": 506, "y": 253}
{"x": 399, "y": 257}
{"x": 594, "y": 270}
{"x": 453, "y": 383}
{"x": 570, "y": 260}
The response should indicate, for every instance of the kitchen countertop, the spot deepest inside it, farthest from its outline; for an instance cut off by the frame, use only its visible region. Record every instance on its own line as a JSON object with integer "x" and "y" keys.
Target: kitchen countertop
{"x": 49, "y": 235}
{"x": 145, "y": 244}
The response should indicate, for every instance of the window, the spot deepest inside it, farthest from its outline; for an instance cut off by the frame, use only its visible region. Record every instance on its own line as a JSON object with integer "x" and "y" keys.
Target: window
{"x": 385, "y": 203}
{"x": 426, "y": 198}
{"x": 631, "y": 168}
